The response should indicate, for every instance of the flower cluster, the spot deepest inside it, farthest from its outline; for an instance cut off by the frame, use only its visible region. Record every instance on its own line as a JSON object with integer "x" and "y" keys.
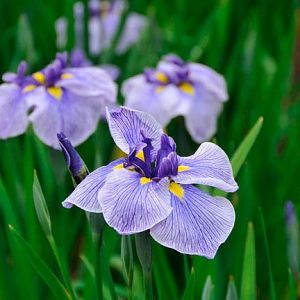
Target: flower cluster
{"x": 152, "y": 188}
{"x": 56, "y": 99}
{"x": 176, "y": 88}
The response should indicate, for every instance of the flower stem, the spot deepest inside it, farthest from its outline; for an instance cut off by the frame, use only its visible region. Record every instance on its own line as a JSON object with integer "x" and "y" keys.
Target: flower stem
{"x": 144, "y": 253}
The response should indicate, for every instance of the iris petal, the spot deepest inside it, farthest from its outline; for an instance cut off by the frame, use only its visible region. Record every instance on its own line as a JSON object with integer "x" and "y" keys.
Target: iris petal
{"x": 129, "y": 127}
{"x": 208, "y": 166}
{"x": 198, "y": 224}
{"x": 131, "y": 203}
{"x": 85, "y": 195}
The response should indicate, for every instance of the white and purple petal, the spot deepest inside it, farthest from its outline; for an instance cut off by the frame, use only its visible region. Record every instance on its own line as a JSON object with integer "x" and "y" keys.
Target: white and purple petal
{"x": 163, "y": 103}
{"x": 208, "y": 166}
{"x": 198, "y": 224}
{"x": 202, "y": 116}
{"x": 129, "y": 127}
{"x": 13, "y": 111}
{"x": 85, "y": 195}
{"x": 76, "y": 116}
{"x": 212, "y": 81}
{"x": 131, "y": 205}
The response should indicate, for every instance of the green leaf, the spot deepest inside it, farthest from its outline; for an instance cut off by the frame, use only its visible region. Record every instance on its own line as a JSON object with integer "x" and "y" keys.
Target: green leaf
{"x": 292, "y": 286}
{"x": 242, "y": 151}
{"x": 41, "y": 268}
{"x": 208, "y": 289}
{"x": 231, "y": 290}
{"x": 189, "y": 292}
{"x": 248, "y": 286}
{"x": 41, "y": 206}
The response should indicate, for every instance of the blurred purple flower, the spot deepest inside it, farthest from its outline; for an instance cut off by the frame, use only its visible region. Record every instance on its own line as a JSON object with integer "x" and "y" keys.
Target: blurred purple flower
{"x": 104, "y": 21}
{"x": 152, "y": 188}
{"x": 59, "y": 99}
{"x": 176, "y": 88}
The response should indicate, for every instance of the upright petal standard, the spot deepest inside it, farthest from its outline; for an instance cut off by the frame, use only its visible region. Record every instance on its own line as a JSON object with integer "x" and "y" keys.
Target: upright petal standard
{"x": 176, "y": 88}
{"x": 152, "y": 188}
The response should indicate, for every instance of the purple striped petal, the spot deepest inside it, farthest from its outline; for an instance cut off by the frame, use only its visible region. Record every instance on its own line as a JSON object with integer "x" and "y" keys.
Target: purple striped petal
{"x": 208, "y": 166}
{"x": 212, "y": 81}
{"x": 163, "y": 103}
{"x": 13, "y": 111}
{"x": 129, "y": 127}
{"x": 198, "y": 224}
{"x": 201, "y": 118}
{"x": 76, "y": 116}
{"x": 85, "y": 195}
{"x": 90, "y": 81}
{"x": 130, "y": 205}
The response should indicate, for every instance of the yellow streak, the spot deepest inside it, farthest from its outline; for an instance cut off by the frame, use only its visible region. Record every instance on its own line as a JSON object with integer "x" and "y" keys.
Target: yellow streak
{"x": 39, "y": 77}
{"x": 66, "y": 76}
{"x": 187, "y": 88}
{"x": 160, "y": 89}
{"x": 118, "y": 167}
{"x": 55, "y": 92}
{"x": 29, "y": 88}
{"x": 140, "y": 155}
{"x": 182, "y": 168}
{"x": 145, "y": 180}
{"x": 176, "y": 189}
{"x": 160, "y": 76}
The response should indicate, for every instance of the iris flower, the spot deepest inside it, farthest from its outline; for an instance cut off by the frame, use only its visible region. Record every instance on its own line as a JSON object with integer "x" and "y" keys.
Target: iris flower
{"x": 152, "y": 188}
{"x": 176, "y": 88}
{"x": 104, "y": 21}
{"x": 58, "y": 98}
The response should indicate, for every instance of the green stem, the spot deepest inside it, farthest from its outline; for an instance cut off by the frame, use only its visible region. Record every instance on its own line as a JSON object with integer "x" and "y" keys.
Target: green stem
{"x": 62, "y": 266}
{"x": 98, "y": 265}
{"x": 144, "y": 253}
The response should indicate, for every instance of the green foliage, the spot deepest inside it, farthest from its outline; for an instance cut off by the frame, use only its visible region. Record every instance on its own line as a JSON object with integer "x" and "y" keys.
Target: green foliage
{"x": 252, "y": 44}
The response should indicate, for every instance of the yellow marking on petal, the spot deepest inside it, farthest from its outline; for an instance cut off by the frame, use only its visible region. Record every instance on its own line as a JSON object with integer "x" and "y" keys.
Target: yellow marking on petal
{"x": 39, "y": 77}
{"x": 182, "y": 168}
{"x": 29, "y": 88}
{"x": 55, "y": 92}
{"x": 162, "y": 77}
{"x": 66, "y": 76}
{"x": 145, "y": 180}
{"x": 160, "y": 89}
{"x": 176, "y": 189}
{"x": 187, "y": 88}
{"x": 118, "y": 167}
{"x": 140, "y": 155}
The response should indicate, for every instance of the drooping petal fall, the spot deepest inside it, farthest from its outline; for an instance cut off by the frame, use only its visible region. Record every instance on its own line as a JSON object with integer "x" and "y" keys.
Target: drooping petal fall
{"x": 198, "y": 224}
{"x": 13, "y": 111}
{"x": 132, "y": 203}
{"x": 85, "y": 195}
{"x": 208, "y": 166}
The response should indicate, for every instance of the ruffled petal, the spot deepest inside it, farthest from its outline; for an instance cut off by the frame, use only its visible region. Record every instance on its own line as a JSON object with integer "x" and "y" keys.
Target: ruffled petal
{"x": 201, "y": 118}
{"x": 13, "y": 111}
{"x": 89, "y": 81}
{"x": 198, "y": 224}
{"x": 85, "y": 195}
{"x": 208, "y": 166}
{"x": 128, "y": 128}
{"x": 131, "y": 203}
{"x": 212, "y": 81}
{"x": 76, "y": 116}
{"x": 163, "y": 103}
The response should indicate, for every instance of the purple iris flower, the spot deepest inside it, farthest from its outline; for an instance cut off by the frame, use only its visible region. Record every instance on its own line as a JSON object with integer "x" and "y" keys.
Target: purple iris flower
{"x": 176, "y": 88}
{"x": 56, "y": 99}
{"x": 104, "y": 21}
{"x": 152, "y": 188}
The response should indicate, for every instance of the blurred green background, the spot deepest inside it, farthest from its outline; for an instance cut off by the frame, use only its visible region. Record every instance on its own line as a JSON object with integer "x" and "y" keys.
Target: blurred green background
{"x": 256, "y": 45}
